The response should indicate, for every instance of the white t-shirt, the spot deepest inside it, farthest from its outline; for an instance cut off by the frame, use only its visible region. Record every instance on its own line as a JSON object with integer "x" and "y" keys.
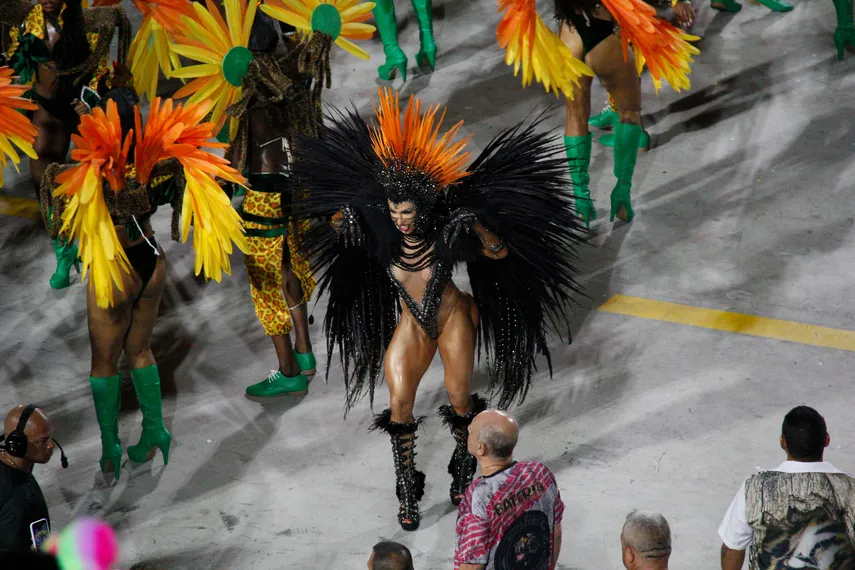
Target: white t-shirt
{"x": 735, "y": 532}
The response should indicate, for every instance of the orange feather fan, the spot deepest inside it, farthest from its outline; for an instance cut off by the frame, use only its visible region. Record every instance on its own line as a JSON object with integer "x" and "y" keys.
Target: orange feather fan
{"x": 100, "y": 154}
{"x": 416, "y": 143}
{"x": 664, "y": 48}
{"x": 16, "y": 130}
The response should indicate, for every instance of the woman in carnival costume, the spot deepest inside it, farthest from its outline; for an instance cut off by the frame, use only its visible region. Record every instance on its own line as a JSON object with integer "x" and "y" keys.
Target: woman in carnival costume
{"x": 398, "y": 211}
{"x": 106, "y": 204}
{"x": 62, "y": 52}
{"x": 598, "y": 34}
{"x": 270, "y": 99}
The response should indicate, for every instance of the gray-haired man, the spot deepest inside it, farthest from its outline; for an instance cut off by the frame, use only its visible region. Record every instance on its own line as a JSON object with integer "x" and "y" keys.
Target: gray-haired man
{"x": 645, "y": 541}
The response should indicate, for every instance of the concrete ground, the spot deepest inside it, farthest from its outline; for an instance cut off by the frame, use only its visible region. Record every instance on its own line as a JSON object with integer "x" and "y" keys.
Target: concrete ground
{"x": 744, "y": 206}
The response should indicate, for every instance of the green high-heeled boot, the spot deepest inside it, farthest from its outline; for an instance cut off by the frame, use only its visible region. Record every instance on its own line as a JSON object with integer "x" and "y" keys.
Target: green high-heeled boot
{"x": 66, "y": 256}
{"x": 844, "y": 35}
{"x": 387, "y": 26}
{"x": 107, "y": 395}
{"x": 424, "y": 13}
{"x": 609, "y": 141}
{"x": 626, "y": 153}
{"x": 579, "y": 158}
{"x": 147, "y": 386}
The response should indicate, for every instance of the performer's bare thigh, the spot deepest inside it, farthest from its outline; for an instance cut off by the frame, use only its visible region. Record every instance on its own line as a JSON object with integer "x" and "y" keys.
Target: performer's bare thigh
{"x": 138, "y": 340}
{"x": 407, "y": 359}
{"x": 457, "y": 349}
{"x": 578, "y": 108}
{"x": 108, "y": 327}
{"x": 618, "y": 76}
{"x": 51, "y": 144}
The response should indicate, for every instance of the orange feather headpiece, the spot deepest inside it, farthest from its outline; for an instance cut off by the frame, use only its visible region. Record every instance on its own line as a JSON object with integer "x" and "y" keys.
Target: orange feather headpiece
{"x": 418, "y": 162}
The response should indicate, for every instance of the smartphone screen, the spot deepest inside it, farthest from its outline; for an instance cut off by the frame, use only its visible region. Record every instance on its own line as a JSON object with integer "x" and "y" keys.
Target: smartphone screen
{"x": 40, "y": 533}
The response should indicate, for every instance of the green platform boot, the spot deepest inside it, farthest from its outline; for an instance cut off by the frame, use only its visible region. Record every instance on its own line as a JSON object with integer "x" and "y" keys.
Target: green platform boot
{"x": 277, "y": 384}
{"x": 579, "y": 158}
{"x": 424, "y": 13}
{"x": 107, "y": 394}
{"x": 387, "y": 26}
{"x": 844, "y": 35}
{"x": 609, "y": 141}
{"x": 307, "y": 363}
{"x": 66, "y": 256}
{"x": 154, "y": 435}
{"x": 626, "y": 153}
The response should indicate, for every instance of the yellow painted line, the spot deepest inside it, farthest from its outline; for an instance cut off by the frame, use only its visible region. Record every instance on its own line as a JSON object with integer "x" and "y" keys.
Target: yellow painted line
{"x": 19, "y": 207}
{"x": 730, "y": 322}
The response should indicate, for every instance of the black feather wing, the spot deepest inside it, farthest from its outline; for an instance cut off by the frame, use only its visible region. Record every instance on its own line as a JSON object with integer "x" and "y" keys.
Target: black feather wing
{"x": 330, "y": 172}
{"x": 518, "y": 189}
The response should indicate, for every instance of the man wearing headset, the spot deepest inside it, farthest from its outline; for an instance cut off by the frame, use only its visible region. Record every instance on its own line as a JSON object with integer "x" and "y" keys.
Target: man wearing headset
{"x": 23, "y": 512}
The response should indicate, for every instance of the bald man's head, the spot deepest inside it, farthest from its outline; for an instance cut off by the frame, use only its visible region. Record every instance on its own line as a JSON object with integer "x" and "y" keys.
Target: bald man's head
{"x": 493, "y": 433}
{"x": 38, "y": 431}
{"x": 390, "y": 556}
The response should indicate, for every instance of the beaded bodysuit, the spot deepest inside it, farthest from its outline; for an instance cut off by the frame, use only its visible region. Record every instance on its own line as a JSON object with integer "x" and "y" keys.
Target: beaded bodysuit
{"x": 424, "y": 304}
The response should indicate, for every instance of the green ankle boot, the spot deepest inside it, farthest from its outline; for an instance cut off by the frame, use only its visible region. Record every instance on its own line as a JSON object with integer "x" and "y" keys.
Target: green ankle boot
{"x": 626, "y": 153}
{"x": 579, "y": 158}
{"x": 844, "y": 35}
{"x": 609, "y": 141}
{"x": 66, "y": 256}
{"x": 107, "y": 394}
{"x": 307, "y": 363}
{"x": 606, "y": 119}
{"x": 154, "y": 435}
{"x": 387, "y": 26}
{"x": 424, "y": 13}
{"x": 277, "y": 384}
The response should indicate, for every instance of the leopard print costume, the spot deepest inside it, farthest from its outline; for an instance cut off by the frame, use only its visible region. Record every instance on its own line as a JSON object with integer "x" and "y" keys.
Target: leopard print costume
{"x": 267, "y": 230}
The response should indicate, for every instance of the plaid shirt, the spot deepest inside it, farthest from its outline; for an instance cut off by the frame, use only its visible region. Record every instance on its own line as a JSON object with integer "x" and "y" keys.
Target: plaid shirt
{"x": 507, "y": 518}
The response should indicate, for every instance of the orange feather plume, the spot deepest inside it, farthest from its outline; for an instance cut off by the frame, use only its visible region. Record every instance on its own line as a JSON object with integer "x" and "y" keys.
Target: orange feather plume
{"x": 531, "y": 47}
{"x": 167, "y": 13}
{"x": 416, "y": 143}
{"x": 16, "y": 130}
{"x": 663, "y": 47}
{"x": 177, "y": 131}
{"x": 100, "y": 154}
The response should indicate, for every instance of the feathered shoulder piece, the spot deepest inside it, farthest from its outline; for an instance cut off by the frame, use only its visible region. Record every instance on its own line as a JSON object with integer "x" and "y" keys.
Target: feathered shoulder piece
{"x": 101, "y": 153}
{"x": 16, "y": 130}
{"x": 414, "y": 145}
{"x": 532, "y": 47}
{"x": 663, "y": 47}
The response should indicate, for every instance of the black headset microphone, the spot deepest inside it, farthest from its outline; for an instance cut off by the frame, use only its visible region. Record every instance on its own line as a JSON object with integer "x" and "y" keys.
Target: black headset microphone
{"x": 16, "y": 443}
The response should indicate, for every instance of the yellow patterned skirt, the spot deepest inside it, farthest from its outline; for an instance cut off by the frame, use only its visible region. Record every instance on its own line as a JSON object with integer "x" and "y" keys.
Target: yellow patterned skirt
{"x": 272, "y": 234}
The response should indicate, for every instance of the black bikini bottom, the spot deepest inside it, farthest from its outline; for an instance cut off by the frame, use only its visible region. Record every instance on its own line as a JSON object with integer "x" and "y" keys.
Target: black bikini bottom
{"x": 591, "y": 30}
{"x": 61, "y": 109}
{"x": 143, "y": 260}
